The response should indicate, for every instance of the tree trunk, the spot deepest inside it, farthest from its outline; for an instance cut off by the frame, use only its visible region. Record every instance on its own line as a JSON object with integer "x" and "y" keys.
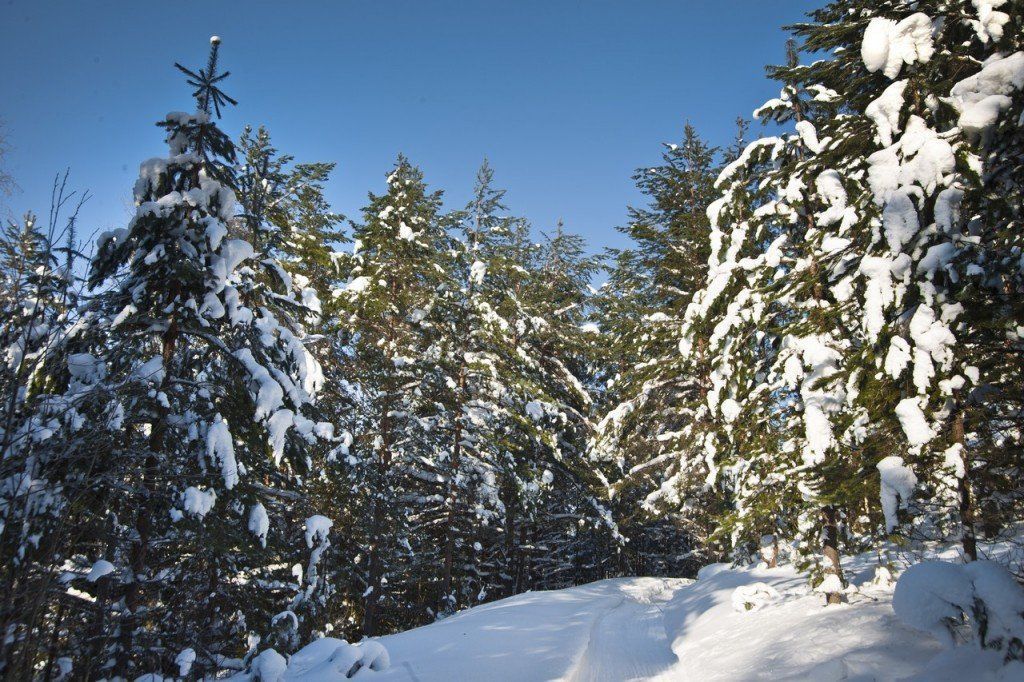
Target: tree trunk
{"x": 831, "y": 551}
{"x": 139, "y": 554}
{"x": 446, "y": 600}
{"x": 968, "y": 536}
{"x": 370, "y": 615}
{"x": 510, "y": 539}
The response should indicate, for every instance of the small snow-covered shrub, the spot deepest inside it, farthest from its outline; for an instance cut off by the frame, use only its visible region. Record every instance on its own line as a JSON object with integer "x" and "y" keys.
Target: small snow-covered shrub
{"x": 754, "y": 596}
{"x": 325, "y": 660}
{"x": 976, "y": 604}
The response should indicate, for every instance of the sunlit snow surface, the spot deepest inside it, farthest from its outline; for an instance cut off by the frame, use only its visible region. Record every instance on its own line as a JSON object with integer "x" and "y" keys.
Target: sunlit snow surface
{"x": 668, "y": 629}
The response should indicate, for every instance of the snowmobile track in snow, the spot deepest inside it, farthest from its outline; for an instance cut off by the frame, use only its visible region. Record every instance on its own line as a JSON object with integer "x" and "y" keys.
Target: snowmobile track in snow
{"x": 627, "y": 642}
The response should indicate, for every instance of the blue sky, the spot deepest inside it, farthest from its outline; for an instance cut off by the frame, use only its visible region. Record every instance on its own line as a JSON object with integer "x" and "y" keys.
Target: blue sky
{"x": 565, "y": 97}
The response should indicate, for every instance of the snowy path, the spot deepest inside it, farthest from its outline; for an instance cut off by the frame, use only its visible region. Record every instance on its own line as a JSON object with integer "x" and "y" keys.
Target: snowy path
{"x": 611, "y": 630}
{"x": 627, "y": 642}
{"x": 667, "y": 630}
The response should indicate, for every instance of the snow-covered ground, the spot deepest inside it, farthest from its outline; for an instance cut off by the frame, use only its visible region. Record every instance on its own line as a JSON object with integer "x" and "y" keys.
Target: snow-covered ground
{"x": 608, "y": 630}
{"x": 752, "y": 623}
{"x": 668, "y": 629}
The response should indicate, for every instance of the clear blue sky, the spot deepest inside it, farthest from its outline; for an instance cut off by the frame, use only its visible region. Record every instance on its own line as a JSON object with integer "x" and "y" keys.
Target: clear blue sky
{"x": 565, "y": 97}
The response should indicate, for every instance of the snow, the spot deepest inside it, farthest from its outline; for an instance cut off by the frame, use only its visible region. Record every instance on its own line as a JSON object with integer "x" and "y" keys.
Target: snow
{"x": 754, "y": 596}
{"x": 830, "y": 584}
{"x": 477, "y": 272}
{"x": 184, "y": 661}
{"x": 961, "y": 605}
{"x": 607, "y": 630}
{"x": 898, "y": 357}
{"x": 269, "y": 666}
{"x": 729, "y": 171}
{"x": 277, "y": 428}
{"x": 928, "y": 158}
{"x": 220, "y": 449}
{"x": 936, "y": 258}
{"x": 990, "y": 22}
{"x": 317, "y": 529}
{"x": 814, "y": 361}
{"x": 982, "y": 97}
{"x": 896, "y": 488}
{"x": 259, "y": 523}
{"x": 809, "y": 136}
{"x": 151, "y": 370}
{"x": 888, "y": 45}
{"x": 197, "y": 502}
{"x": 100, "y": 569}
{"x": 671, "y": 629}
{"x": 885, "y": 112}
{"x": 829, "y": 185}
{"x": 879, "y": 291}
{"x": 232, "y": 253}
{"x": 730, "y": 410}
{"x": 913, "y": 421}
{"x": 324, "y": 660}
{"x": 270, "y": 395}
{"x": 933, "y": 342}
{"x": 357, "y": 285}
{"x": 732, "y": 623}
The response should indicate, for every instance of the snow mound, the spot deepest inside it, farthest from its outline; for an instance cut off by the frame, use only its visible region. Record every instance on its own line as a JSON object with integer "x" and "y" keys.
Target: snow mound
{"x": 752, "y": 597}
{"x": 977, "y": 604}
{"x": 325, "y": 660}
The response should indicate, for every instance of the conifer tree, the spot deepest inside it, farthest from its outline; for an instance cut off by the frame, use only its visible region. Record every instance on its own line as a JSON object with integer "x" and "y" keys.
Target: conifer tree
{"x": 397, "y": 277}
{"x": 651, "y": 432}
{"x": 477, "y": 366}
{"x": 208, "y": 428}
{"x": 44, "y": 444}
{"x": 837, "y": 262}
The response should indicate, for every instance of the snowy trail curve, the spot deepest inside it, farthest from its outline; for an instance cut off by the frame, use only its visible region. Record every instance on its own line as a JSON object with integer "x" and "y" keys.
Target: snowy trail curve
{"x": 627, "y": 642}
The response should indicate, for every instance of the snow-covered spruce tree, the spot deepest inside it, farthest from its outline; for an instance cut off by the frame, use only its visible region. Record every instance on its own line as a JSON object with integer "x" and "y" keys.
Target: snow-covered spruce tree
{"x": 649, "y": 437}
{"x": 398, "y": 272}
{"x": 978, "y": 439}
{"x": 854, "y": 289}
{"x": 943, "y": 74}
{"x": 208, "y": 427}
{"x": 778, "y": 338}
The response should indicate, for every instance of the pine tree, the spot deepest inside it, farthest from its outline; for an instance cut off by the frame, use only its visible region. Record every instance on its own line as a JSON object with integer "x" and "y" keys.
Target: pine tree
{"x": 477, "y": 365}
{"x": 654, "y": 406}
{"x": 562, "y": 499}
{"x": 397, "y": 277}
